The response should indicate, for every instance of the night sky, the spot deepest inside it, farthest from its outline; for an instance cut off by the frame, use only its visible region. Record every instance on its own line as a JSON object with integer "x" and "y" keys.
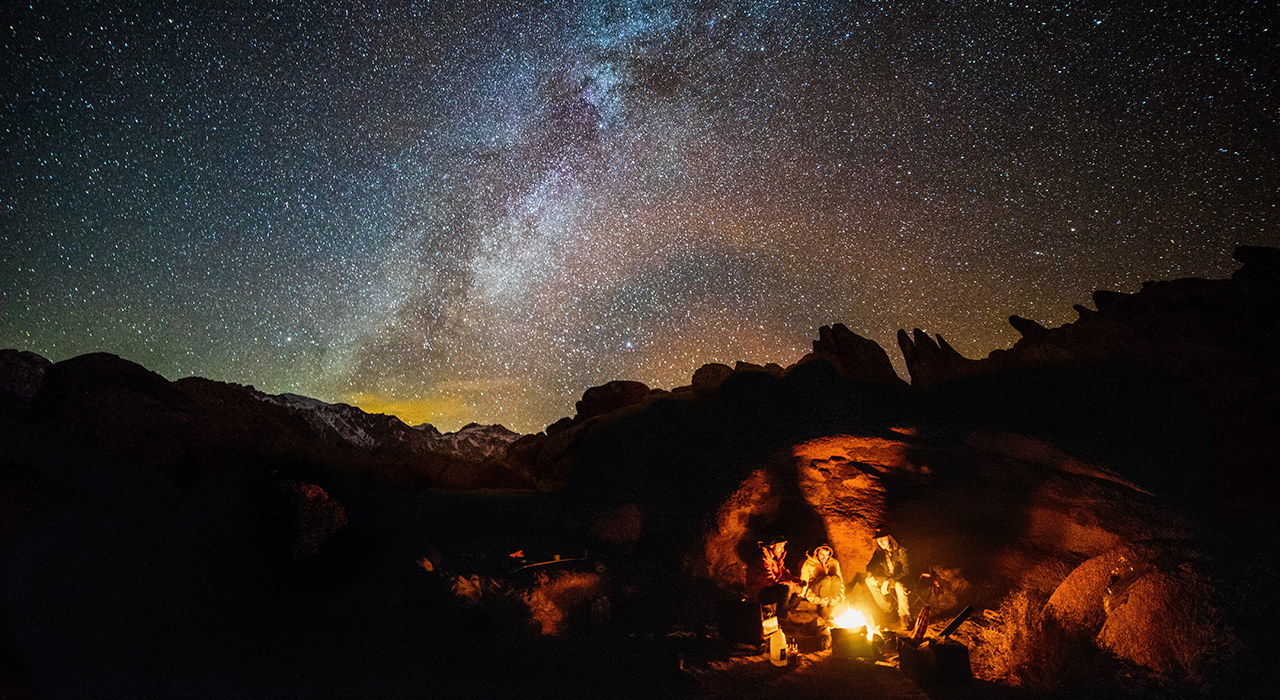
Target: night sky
{"x": 473, "y": 211}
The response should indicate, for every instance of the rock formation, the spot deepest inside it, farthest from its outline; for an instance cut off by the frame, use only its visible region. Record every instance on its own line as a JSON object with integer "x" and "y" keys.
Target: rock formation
{"x": 855, "y": 358}
{"x": 708, "y": 378}
{"x": 298, "y": 519}
{"x": 1075, "y": 468}
{"x": 931, "y": 362}
{"x": 1151, "y": 602}
{"x": 1216, "y": 339}
{"x": 599, "y": 400}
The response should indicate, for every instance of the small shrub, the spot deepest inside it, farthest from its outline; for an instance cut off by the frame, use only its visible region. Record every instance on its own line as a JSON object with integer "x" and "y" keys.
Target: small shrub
{"x": 468, "y": 588}
{"x": 1002, "y": 638}
{"x": 1022, "y": 646}
{"x": 560, "y": 602}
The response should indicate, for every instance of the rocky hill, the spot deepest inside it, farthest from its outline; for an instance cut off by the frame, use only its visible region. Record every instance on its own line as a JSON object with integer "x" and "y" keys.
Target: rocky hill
{"x": 194, "y": 427}
{"x": 1105, "y": 493}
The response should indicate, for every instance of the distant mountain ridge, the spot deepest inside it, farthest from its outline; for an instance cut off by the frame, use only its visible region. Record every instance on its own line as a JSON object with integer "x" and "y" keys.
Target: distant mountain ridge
{"x": 1214, "y": 338}
{"x": 373, "y": 430}
{"x": 192, "y": 427}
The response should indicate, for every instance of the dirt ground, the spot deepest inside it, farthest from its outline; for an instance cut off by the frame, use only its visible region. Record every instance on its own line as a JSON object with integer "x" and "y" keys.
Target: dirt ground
{"x": 745, "y": 672}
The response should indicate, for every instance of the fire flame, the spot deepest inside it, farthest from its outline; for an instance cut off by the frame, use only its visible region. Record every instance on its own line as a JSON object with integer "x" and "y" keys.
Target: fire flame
{"x": 853, "y": 619}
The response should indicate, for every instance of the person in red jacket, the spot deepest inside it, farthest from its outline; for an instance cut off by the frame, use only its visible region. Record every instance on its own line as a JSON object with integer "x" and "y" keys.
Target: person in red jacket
{"x": 771, "y": 581}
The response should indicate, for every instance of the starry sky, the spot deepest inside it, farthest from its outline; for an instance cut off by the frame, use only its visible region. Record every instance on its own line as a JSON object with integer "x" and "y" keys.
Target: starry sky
{"x": 473, "y": 211}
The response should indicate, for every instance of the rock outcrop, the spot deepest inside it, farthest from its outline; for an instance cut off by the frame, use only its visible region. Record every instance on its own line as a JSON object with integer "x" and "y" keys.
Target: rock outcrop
{"x": 297, "y": 520}
{"x": 599, "y": 400}
{"x": 931, "y": 362}
{"x": 1216, "y": 339}
{"x": 1261, "y": 263}
{"x": 707, "y": 379}
{"x": 855, "y": 358}
{"x": 1007, "y": 511}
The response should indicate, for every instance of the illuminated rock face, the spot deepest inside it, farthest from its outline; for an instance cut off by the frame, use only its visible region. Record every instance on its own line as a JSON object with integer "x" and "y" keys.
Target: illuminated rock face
{"x": 840, "y": 479}
{"x": 829, "y": 491}
{"x": 1151, "y": 603}
{"x": 985, "y": 513}
{"x": 729, "y": 547}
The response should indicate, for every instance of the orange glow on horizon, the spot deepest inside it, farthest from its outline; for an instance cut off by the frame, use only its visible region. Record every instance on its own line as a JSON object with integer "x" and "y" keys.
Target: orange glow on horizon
{"x": 434, "y": 411}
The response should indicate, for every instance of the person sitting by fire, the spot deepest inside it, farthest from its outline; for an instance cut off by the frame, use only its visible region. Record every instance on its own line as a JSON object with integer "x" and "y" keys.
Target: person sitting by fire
{"x": 823, "y": 582}
{"x": 887, "y": 574}
{"x": 773, "y": 582}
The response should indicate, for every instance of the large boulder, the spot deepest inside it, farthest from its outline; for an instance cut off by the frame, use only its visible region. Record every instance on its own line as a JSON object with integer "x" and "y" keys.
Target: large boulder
{"x": 1261, "y": 263}
{"x": 992, "y": 511}
{"x": 297, "y": 519}
{"x": 727, "y": 547}
{"x": 708, "y": 378}
{"x": 599, "y": 400}
{"x": 1152, "y": 603}
{"x": 842, "y": 479}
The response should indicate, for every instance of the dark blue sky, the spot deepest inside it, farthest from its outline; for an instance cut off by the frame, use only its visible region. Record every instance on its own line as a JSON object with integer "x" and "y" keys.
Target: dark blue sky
{"x": 458, "y": 212}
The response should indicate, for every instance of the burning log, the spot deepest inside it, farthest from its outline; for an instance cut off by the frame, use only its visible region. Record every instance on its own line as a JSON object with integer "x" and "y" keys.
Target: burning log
{"x": 854, "y": 636}
{"x": 922, "y": 626}
{"x": 852, "y": 618}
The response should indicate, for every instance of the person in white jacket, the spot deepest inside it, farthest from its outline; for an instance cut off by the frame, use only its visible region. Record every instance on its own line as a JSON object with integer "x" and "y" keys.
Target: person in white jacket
{"x": 823, "y": 581}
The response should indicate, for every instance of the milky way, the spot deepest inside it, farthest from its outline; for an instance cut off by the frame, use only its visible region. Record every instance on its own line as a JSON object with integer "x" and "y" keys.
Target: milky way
{"x": 462, "y": 212}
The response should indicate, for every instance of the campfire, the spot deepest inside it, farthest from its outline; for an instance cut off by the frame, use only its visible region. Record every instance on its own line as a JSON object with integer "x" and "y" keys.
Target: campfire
{"x": 852, "y": 619}
{"x": 847, "y": 635}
